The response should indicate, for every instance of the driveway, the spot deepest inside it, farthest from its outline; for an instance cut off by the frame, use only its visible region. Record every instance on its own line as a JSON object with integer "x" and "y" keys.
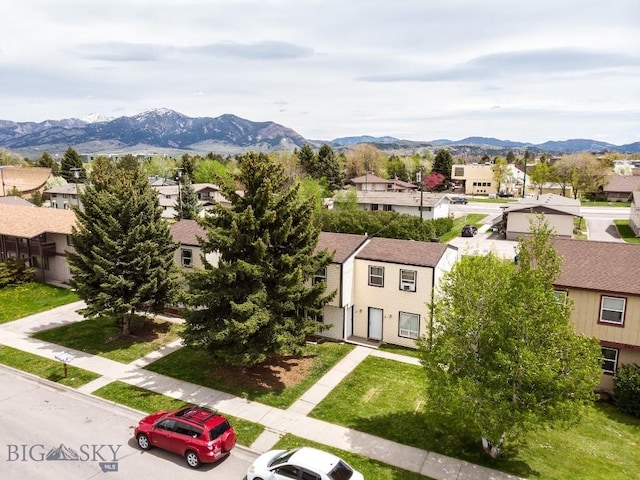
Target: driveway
{"x": 603, "y": 229}
{"x": 485, "y": 242}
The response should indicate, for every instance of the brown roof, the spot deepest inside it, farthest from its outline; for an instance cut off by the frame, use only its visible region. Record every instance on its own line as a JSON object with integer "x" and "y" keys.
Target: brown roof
{"x": 602, "y": 266}
{"x": 342, "y": 245}
{"x": 622, "y": 183}
{"x": 25, "y": 179}
{"x": 16, "y": 201}
{"x": 28, "y": 222}
{"x": 405, "y": 252}
{"x": 186, "y": 232}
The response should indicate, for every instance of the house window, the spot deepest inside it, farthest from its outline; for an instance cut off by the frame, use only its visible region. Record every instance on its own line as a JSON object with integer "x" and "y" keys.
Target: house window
{"x": 561, "y": 296}
{"x": 69, "y": 240}
{"x": 54, "y": 204}
{"x": 387, "y": 208}
{"x": 64, "y": 195}
{"x": 409, "y": 325}
{"x": 609, "y": 360}
{"x": 612, "y": 310}
{"x": 376, "y": 276}
{"x": 320, "y": 276}
{"x": 374, "y": 207}
{"x": 408, "y": 280}
{"x": 187, "y": 257}
{"x": 459, "y": 172}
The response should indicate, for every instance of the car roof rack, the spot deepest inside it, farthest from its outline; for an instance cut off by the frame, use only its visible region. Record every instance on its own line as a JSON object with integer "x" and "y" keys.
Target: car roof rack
{"x": 192, "y": 411}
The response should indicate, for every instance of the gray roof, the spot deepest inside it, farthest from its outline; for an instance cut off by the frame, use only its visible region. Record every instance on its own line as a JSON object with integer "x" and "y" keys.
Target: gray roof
{"x": 410, "y": 199}
{"x": 547, "y": 202}
{"x": 404, "y": 252}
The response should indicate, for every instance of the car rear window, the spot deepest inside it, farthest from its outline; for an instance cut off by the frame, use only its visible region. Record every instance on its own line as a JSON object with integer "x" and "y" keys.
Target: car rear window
{"x": 219, "y": 429}
{"x": 341, "y": 471}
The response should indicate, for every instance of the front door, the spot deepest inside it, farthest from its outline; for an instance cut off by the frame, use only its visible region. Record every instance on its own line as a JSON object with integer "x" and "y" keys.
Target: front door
{"x": 375, "y": 324}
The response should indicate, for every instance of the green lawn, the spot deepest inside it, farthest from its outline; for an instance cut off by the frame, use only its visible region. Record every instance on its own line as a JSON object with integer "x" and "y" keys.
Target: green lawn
{"x": 23, "y": 300}
{"x": 260, "y": 384}
{"x": 625, "y": 231}
{"x": 45, "y": 368}
{"x": 100, "y": 336}
{"x": 369, "y": 468}
{"x": 603, "y": 446}
{"x": 459, "y": 222}
{"x": 409, "y": 352}
{"x": 587, "y": 203}
{"x": 148, "y": 401}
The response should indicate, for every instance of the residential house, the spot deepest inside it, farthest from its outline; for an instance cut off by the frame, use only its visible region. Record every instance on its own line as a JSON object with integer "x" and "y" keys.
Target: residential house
{"x": 427, "y": 206}
{"x": 393, "y": 283}
{"x": 634, "y": 213}
{"x": 169, "y": 196}
{"x": 189, "y": 254}
{"x": 620, "y": 188}
{"x": 12, "y": 200}
{"x": 338, "y": 276}
{"x": 65, "y": 196}
{"x": 40, "y": 236}
{"x": 559, "y": 212}
{"x": 25, "y": 180}
{"x": 602, "y": 279}
{"x": 373, "y": 183}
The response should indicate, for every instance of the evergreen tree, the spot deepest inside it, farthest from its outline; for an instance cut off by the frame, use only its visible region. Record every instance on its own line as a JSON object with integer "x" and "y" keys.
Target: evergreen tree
{"x": 329, "y": 168}
{"x": 259, "y": 299}
{"x": 123, "y": 259}
{"x": 48, "y": 161}
{"x": 188, "y": 164}
{"x": 70, "y": 161}
{"x": 308, "y": 160}
{"x": 188, "y": 207}
{"x": 443, "y": 163}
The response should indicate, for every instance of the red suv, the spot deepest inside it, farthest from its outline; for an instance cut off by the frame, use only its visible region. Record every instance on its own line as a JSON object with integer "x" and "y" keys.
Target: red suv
{"x": 199, "y": 434}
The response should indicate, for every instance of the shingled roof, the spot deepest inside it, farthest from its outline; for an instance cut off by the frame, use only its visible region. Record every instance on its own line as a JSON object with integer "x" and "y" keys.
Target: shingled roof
{"x": 186, "y": 232}
{"x": 603, "y": 266}
{"x": 28, "y": 222}
{"x": 622, "y": 183}
{"x": 404, "y": 252}
{"x": 342, "y": 245}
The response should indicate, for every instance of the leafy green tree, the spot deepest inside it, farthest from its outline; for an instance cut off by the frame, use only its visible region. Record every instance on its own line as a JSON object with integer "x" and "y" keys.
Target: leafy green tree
{"x": 580, "y": 170}
{"x": 188, "y": 164}
{"x": 443, "y": 163}
{"x": 188, "y": 207}
{"x": 396, "y": 168}
{"x": 37, "y": 198}
{"x": 259, "y": 299}
{"x": 346, "y": 201}
{"x": 502, "y": 357}
{"x": 70, "y": 162}
{"x": 46, "y": 160}
{"x": 363, "y": 158}
{"x": 123, "y": 259}
{"x": 540, "y": 174}
{"x": 500, "y": 172}
{"x": 211, "y": 171}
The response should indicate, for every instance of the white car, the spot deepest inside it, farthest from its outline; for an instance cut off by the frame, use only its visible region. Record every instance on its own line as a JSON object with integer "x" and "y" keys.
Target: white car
{"x": 304, "y": 463}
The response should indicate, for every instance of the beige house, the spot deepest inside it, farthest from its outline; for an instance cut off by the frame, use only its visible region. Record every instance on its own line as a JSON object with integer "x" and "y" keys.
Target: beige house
{"x": 393, "y": 282}
{"x": 428, "y": 206}
{"x": 189, "y": 253}
{"x": 558, "y": 211}
{"x": 169, "y": 196}
{"x": 620, "y": 188}
{"x": 41, "y": 236}
{"x": 373, "y": 183}
{"x": 634, "y": 213}
{"x": 603, "y": 281}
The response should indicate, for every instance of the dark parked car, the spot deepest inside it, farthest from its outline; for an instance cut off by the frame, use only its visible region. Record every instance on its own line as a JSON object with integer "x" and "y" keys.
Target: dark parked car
{"x": 460, "y": 200}
{"x": 198, "y": 434}
{"x": 469, "y": 231}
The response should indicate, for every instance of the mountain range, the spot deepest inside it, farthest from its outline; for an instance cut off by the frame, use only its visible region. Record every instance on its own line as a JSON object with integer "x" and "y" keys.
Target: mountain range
{"x": 165, "y": 130}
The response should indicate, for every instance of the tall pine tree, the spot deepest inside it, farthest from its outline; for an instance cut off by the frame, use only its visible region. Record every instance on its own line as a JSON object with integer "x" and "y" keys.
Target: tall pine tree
{"x": 442, "y": 163}
{"x": 259, "y": 299}
{"x": 123, "y": 259}
{"x": 71, "y": 168}
{"x": 188, "y": 207}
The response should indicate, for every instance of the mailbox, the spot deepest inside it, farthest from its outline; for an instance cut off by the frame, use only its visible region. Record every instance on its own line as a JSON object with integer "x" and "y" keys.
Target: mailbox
{"x": 65, "y": 358}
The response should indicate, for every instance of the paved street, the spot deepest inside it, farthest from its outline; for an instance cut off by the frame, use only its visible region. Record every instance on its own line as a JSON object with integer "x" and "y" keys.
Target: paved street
{"x": 36, "y": 417}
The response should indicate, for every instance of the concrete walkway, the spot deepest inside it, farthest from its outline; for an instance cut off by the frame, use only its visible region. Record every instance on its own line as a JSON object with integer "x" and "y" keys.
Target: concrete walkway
{"x": 277, "y": 422}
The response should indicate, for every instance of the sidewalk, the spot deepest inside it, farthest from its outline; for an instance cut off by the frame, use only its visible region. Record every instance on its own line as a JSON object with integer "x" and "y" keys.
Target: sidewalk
{"x": 276, "y": 421}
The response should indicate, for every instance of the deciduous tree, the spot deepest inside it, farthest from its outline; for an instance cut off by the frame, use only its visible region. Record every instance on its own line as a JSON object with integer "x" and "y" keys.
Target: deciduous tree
{"x": 123, "y": 259}
{"x": 258, "y": 300}
{"x": 502, "y": 356}
{"x": 500, "y": 171}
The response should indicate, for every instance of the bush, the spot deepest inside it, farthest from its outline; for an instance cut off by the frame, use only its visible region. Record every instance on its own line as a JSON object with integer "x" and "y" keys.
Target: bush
{"x": 626, "y": 389}
{"x": 14, "y": 272}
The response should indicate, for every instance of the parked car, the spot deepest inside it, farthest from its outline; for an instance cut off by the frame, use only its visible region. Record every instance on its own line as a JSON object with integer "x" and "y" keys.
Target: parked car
{"x": 301, "y": 463}
{"x": 199, "y": 434}
{"x": 459, "y": 200}
{"x": 469, "y": 231}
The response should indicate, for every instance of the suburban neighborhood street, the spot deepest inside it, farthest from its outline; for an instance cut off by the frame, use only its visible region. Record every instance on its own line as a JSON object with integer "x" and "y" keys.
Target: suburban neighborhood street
{"x": 37, "y": 418}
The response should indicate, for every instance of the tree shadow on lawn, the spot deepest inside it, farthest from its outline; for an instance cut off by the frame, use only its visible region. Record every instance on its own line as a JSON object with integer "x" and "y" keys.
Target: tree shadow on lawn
{"x": 610, "y": 411}
{"x": 414, "y": 430}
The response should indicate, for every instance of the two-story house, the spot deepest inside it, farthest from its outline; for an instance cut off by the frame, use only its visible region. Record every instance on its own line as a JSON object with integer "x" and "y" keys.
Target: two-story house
{"x": 372, "y": 183}
{"x": 40, "y": 236}
{"x": 169, "y": 196}
{"x": 189, "y": 254}
{"x": 65, "y": 196}
{"x": 603, "y": 281}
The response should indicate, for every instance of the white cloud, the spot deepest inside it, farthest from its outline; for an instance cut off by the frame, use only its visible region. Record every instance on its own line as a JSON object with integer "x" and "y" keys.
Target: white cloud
{"x": 413, "y": 69}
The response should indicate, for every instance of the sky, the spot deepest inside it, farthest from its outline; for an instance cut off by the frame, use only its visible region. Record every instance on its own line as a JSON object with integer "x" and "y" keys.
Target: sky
{"x": 421, "y": 70}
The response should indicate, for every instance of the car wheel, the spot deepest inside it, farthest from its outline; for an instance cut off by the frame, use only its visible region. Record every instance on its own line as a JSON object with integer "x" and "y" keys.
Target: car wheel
{"x": 143, "y": 441}
{"x": 192, "y": 459}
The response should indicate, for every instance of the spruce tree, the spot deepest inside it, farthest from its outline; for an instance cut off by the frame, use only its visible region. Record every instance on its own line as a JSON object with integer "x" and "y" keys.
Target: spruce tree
{"x": 46, "y": 160}
{"x": 329, "y": 168}
{"x": 259, "y": 299}
{"x": 188, "y": 208}
{"x": 442, "y": 163}
{"x": 123, "y": 259}
{"x": 71, "y": 161}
